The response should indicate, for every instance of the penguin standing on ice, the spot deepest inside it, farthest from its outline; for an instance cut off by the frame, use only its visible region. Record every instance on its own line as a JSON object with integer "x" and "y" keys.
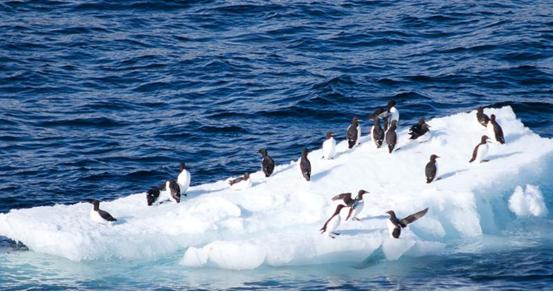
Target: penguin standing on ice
{"x": 480, "y": 151}
{"x": 377, "y": 133}
{"x": 390, "y": 115}
{"x": 329, "y": 146}
{"x": 173, "y": 188}
{"x": 268, "y": 163}
{"x": 333, "y": 222}
{"x": 152, "y": 195}
{"x": 353, "y": 133}
{"x": 356, "y": 205}
{"x": 98, "y": 215}
{"x": 431, "y": 169}
{"x": 391, "y": 136}
{"x": 183, "y": 179}
{"x": 495, "y": 131}
{"x": 419, "y": 129}
{"x": 482, "y": 117}
{"x": 395, "y": 225}
{"x": 305, "y": 165}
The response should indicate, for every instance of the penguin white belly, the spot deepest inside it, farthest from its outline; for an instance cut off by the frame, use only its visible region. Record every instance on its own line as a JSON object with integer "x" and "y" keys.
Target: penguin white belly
{"x": 371, "y": 134}
{"x": 491, "y": 132}
{"x": 333, "y": 224}
{"x": 394, "y": 115}
{"x": 329, "y": 148}
{"x": 184, "y": 181}
{"x": 391, "y": 228}
{"x": 358, "y": 134}
{"x": 95, "y": 216}
{"x": 482, "y": 152}
{"x": 357, "y": 208}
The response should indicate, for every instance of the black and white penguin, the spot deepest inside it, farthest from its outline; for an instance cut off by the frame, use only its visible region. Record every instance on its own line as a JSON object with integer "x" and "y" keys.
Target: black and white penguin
{"x": 390, "y": 115}
{"x": 98, "y": 215}
{"x": 329, "y": 146}
{"x": 495, "y": 131}
{"x": 391, "y": 136}
{"x": 353, "y": 133}
{"x": 356, "y": 205}
{"x": 333, "y": 222}
{"x": 173, "y": 188}
{"x": 419, "y": 129}
{"x": 395, "y": 225}
{"x": 481, "y": 150}
{"x": 431, "y": 169}
{"x": 170, "y": 191}
{"x": 244, "y": 177}
{"x": 377, "y": 133}
{"x": 152, "y": 195}
{"x": 482, "y": 117}
{"x": 184, "y": 178}
{"x": 305, "y": 165}
{"x": 267, "y": 163}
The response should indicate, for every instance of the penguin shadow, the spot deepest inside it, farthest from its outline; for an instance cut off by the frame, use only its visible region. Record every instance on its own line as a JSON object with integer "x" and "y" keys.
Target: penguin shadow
{"x": 513, "y": 138}
{"x": 358, "y": 231}
{"x": 193, "y": 194}
{"x": 282, "y": 169}
{"x": 319, "y": 175}
{"x": 498, "y": 156}
{"x": 121, "y": 220}
{"x": 450, "y": 174}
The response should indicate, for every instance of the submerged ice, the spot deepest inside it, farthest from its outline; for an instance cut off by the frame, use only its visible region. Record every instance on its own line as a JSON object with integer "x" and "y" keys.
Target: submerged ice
{"x": 275, "y": 221}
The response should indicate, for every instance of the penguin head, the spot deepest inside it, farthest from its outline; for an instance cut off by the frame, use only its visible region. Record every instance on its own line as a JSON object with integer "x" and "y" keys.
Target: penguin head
{"x": 94, "y": 202}
{"x": 246, "y": 176}
{"x": 355, "y": 121}
{"x": 304, "y": 152}
{"x": 263, "y": 151}
{"x": 492, "y": 118}
{"x": 182, "y": 166}
{"x": 329, "y": 135}
{"x": 433, "y": 157}
{"x": 360, "y": 194}
{"x": 391, "y": 104}
{"x": 484, "y": 139}
{"x": 392, "y": 214}
{"x": 480, "y": 110}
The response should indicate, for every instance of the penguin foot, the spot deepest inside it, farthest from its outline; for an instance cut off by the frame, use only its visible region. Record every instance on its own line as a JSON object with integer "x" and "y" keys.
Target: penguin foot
{"x": 486, "y": 160}
{"x": 335, "y": 233}
{"x": 356, "y": 219}
{"x": 331, "y": 236}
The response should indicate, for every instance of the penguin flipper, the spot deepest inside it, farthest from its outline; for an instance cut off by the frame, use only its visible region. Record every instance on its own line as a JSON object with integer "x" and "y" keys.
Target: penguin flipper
{"x": 343, "y": 196}
{"x": 413, "y": 217}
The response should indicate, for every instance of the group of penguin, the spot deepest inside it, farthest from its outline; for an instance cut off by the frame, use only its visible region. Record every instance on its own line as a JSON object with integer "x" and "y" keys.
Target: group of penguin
{"x": 172, "y": 190}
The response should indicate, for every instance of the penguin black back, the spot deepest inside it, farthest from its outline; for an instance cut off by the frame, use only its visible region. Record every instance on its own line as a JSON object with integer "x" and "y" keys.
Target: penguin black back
{"x": 305, "y": 165}
{"x": 268, "y": 163}
{"x": 482, "y": 118}
{"x": 419, "y": 129}
{"x": 497, "y": 130}
{"x": 391, "y": 136}
{"x": 352, "y": 133}
{"x": 378, "y": 133}
{"x": 431, "y": 169}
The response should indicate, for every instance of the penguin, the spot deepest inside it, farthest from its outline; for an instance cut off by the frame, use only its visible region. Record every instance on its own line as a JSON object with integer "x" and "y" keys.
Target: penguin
{"x": 171, "y": 188}
{"x": 305, "y": 165}
{"x": 244, "y": 177}
{"x": 98, "y": 215}
{"x": 495, "y": 131}
{"x": 482, "y": 117}
{"x": 329, "y": 146}
{"x": 390, "y": 115}
{"x": 152, "y": 195}
{"x": 481, "y": 150}
{"x": 332, "y": 223}
{"x": 354, "y": 133}
{"x": 431, "y": 169}
{"x": 391, "y": 136}
{"x": 183, "y": 179}
{"x": 356, "y": 205}
{"x": 395, "y": 225}
{"x": 268, "y": 163}
{"x": 377, "y": 133}
{"x": 419, "y": 129}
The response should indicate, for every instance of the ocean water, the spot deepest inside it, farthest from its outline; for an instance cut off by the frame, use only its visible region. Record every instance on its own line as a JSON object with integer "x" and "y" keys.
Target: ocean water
{"x": 102, "y": 99}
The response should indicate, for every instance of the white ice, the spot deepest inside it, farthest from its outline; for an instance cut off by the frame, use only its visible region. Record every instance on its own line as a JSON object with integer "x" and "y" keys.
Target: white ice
{"x": 276, "y": 220}
{"x": 528, "y": 202}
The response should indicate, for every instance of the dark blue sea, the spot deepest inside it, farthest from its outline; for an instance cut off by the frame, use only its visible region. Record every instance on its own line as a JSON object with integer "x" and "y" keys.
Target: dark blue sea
{"x": 104, "y": 98}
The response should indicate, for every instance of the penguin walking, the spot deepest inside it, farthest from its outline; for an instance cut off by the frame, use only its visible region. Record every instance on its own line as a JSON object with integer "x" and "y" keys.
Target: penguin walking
{"x": 391, "y": 136}
{"x": 329, "y": 146}
{"x": 419, "y": 129}
{"x": 183, "y": 179}
{"x": 481, "y": 150}
{"x": 333, "y": 222}
{"x": 244, "y": 177}
{"x": 377, "y": 133}
{"x": 495, "y": 131}
{"x": 98, "y": 215}
{"x": 395, "y": 225}
{"x": 305, "y": 165}
{"x": 482, "y": 118}
{"x": 267, "y": 163}
{"x": 431, "y": 169}
{"x": 356, "y": 205}
{"x": 353, "y": 133}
